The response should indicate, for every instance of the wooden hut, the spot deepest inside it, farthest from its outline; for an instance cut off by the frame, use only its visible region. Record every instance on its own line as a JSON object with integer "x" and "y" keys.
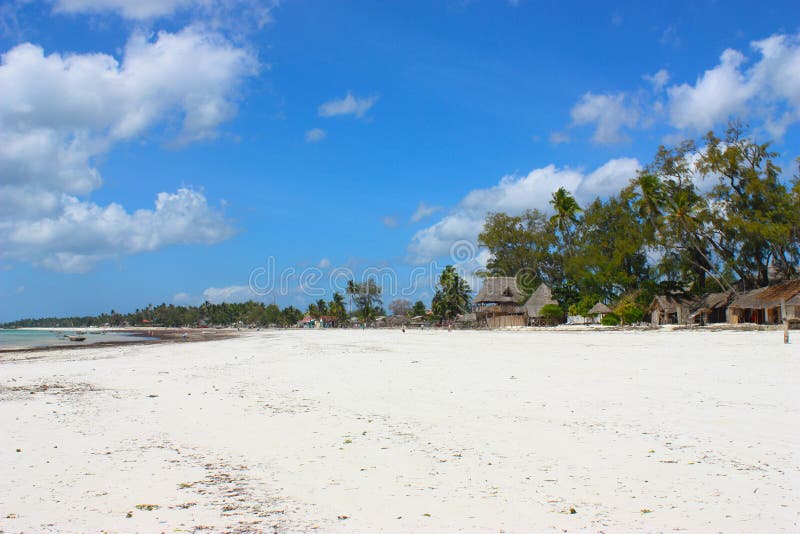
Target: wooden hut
{"x": 497, "y": 303}
{"x": 768, "y": 305}
{"x": 712, "y": 308}
{"x": 598, "y": 311}
{"x": 538, "y": 300}
{"x": 671, "y": 309}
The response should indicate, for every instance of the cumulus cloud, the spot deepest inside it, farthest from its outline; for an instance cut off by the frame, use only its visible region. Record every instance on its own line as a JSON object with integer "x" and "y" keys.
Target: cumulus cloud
{"x": 769, "y": 89}
{"x": 315, "y": 135}
{"x": 514, "y": 194}
{"x": 83, "y": 233}
{"x": 609, "y": 113}
{"x": 424, "y": 210}
{"x": 59, "y": 112}
{"x": 349, "y": 105}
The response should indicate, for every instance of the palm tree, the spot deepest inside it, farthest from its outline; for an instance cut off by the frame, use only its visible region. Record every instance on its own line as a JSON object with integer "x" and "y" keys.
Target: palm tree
{"x": 566, "y": 213}
{"x": 352, "y": 289}
{"x": 650, "y": 202}
{"x": 452, "y": 295}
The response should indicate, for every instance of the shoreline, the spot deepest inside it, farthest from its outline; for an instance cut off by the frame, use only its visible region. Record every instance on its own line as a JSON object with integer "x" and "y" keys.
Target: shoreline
{"x": 161, "y": 335}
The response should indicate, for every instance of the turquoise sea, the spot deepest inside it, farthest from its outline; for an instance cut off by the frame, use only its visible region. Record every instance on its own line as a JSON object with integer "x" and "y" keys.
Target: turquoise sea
{"x": 27, "y": 339}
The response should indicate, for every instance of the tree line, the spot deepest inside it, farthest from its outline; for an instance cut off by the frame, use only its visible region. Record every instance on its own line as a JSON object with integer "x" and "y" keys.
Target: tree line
{"x": 661, "y": 233}
{"x": 365, "y": 304}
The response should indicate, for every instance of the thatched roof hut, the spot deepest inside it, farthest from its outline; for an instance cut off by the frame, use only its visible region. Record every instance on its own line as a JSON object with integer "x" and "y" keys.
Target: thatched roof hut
{"x": 768, "y": 304}
{"x": 538, "y": 300}
{"x": 671, "y": 309}
{"x": 599, "y": 309}
{"x": 499, "y": 289}
{"x": 497, "y": 303}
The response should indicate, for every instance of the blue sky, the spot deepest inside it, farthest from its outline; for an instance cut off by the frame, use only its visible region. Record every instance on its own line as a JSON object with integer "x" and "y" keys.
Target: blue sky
{"x": 162, "y": 150}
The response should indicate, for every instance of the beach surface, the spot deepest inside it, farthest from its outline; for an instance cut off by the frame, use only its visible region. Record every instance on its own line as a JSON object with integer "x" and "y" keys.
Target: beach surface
{"x": 361, "y": 431}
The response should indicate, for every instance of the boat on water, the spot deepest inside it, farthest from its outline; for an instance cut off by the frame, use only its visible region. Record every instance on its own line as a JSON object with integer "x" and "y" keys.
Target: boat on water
{"x": 76, "y": 338}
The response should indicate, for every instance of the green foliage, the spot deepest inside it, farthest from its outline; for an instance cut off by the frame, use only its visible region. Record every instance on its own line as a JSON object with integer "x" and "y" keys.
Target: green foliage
{"x": 660, "y": 233}
{"x": 629, "y": 313}
{"x": 582, "y": 306}
{"x": 552, "y": 312}
{"x": 367, "y": 297}
{"x": 452, "y": 295}
{"x": 610, "y": 319}
{"x": 418, "y": 309}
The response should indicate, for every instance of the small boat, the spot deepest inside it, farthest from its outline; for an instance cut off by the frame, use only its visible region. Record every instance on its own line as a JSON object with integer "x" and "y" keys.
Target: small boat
{"x": 77, "y": 338}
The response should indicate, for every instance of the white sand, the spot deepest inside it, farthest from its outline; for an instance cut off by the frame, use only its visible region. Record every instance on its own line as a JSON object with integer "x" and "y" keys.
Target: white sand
{"x": 436, "y": 431}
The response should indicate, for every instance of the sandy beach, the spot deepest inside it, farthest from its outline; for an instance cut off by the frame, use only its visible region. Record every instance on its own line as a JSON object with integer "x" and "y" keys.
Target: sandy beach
{"x": 360, "y": 431}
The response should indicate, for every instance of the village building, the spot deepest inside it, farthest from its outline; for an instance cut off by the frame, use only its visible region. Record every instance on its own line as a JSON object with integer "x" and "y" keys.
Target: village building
{"x": 538, "y": 300}
{"x": 498, "y": 303}
{"x": 671, "y": 309}
{"x": 768, "y": 305}
{"x": 711, "y": 308}
{"x": 597, "y": 313}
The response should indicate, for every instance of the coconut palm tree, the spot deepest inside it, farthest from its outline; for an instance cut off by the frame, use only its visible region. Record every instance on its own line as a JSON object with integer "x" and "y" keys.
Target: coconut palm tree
{"x": 566, "y": 214}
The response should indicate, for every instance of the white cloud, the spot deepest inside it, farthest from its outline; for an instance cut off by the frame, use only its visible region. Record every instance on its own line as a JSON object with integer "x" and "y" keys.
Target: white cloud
{"x": 558, "y": 138}
{"x": 60, "y": 112}
{"x": 215, "y": 295}
{"x": 658, "y": 79}
{"x": 133, "y": 9}
{"x": 769, "y": 90}
{"x": 83, "y": 233}
{"x": 324, "y": 263}
{"x": 514, "y": 194}
{"x": 424, "y": 210}
{"x": 349, "y": 105}
{"x": 719, "y": 93}
{"x": 315, "y": 135}
{"x": 610, "y": 113}
{"x": 390, "y": 221}
{"x": 235, "y": 14}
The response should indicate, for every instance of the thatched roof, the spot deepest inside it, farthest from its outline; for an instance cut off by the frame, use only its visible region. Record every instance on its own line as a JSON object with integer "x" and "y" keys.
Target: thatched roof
{"x": 599, "y": 308}
{"x": 538, "y": 299}
{"x": 713, "y": 301}
{"x": 499, "y": 289}
{"x": 671, "y": 303}
{"x": 768, "y": 297}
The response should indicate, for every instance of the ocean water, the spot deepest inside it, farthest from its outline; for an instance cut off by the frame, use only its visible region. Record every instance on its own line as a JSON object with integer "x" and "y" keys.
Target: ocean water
{"x": 27, "y": 339}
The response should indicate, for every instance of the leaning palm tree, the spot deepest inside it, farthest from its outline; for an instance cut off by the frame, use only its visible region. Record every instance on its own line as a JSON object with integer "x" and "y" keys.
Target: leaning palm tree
{"x": 651, "y": 198}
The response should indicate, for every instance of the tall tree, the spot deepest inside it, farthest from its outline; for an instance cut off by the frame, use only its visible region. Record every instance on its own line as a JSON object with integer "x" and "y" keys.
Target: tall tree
{"x": 367, "y": 297}
{"x": 400, "y": 307}
{"x": 452, "y": 295}
{"x": 566, "y": 214}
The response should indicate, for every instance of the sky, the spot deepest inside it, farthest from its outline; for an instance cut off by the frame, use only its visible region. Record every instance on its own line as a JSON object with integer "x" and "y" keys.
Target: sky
{"x": 187, "y": 150}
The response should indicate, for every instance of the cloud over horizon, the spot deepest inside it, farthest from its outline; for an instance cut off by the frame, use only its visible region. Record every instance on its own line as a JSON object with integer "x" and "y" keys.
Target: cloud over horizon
{"x": 52, "y": 129}
{"x": 764, "y": 89}
{"x": 514, "y": 194}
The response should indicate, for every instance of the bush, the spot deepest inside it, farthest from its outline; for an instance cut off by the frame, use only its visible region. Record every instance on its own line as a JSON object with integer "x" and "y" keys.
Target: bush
{"x": 552, "y": 313}
{"x": 630, "y": 313}
{"x": 610, "y": 319}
